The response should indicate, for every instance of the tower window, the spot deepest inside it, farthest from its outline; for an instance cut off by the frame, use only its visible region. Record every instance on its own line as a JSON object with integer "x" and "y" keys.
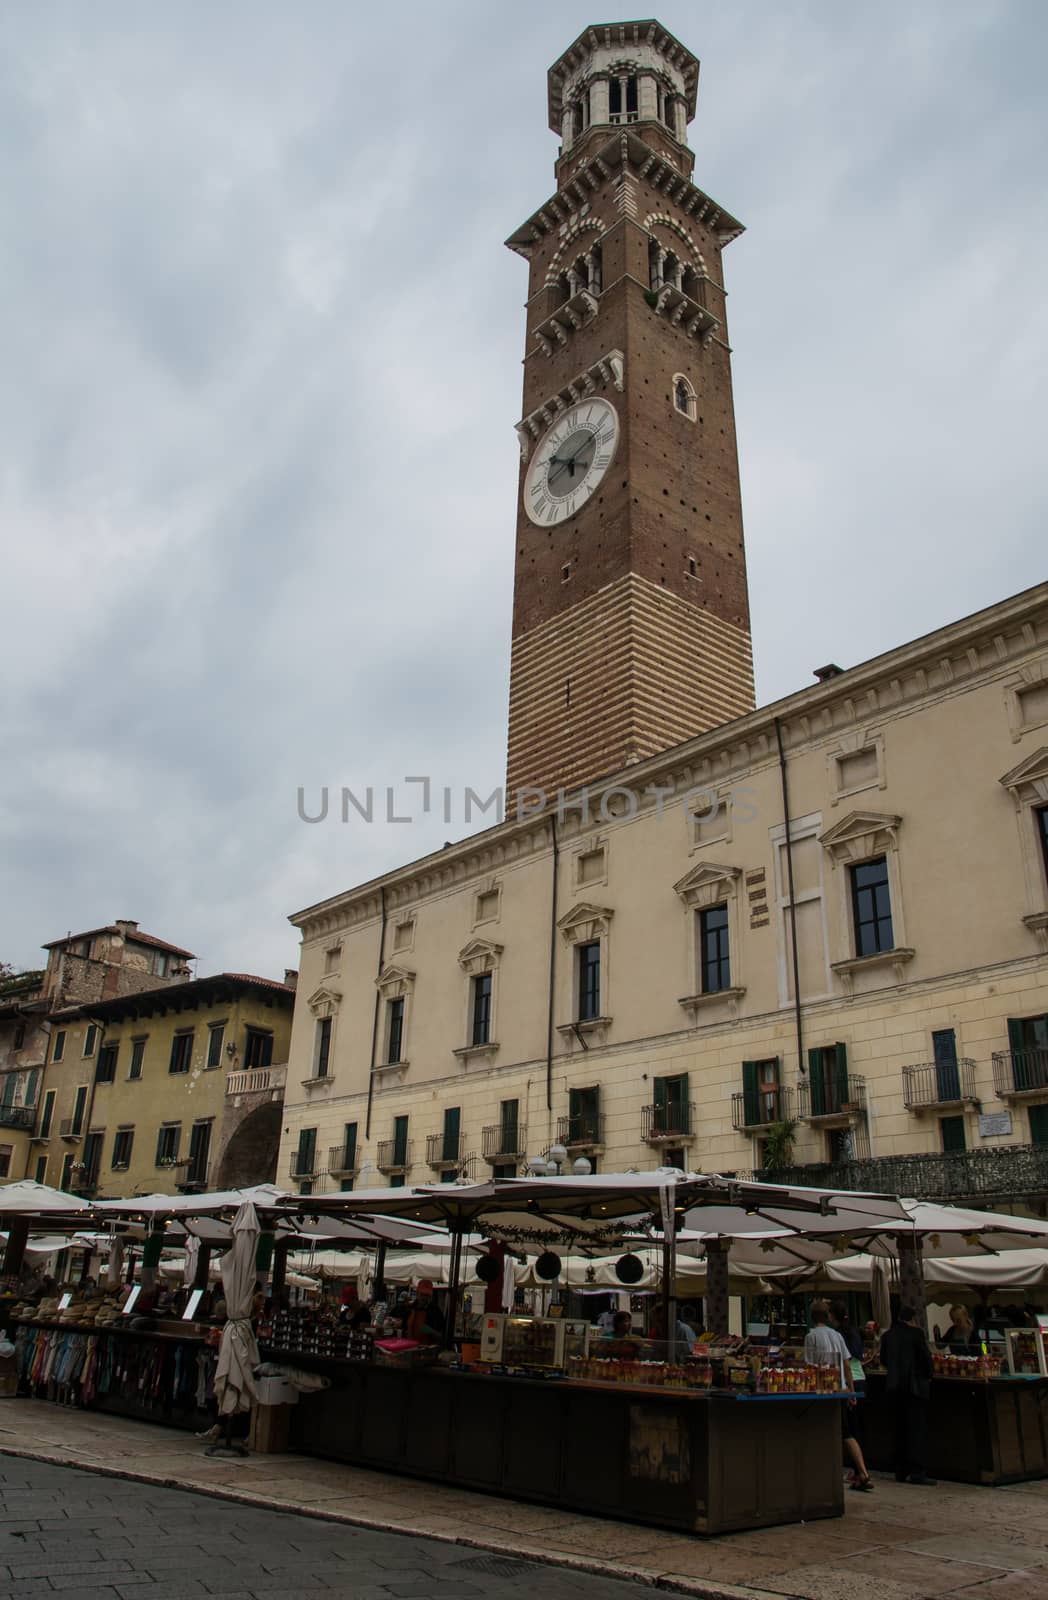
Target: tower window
{"x": 565, "y": 572}
{"x": 684, "y": 398}
{"x": 622, "y": 99}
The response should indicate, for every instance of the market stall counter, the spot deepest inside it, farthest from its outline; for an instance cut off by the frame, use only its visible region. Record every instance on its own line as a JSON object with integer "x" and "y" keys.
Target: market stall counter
{"x": 647, "y": 1440}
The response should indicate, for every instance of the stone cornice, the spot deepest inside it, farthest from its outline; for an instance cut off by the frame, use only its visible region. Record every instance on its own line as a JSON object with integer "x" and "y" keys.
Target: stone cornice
{"x": 977, "y": 648}
{"x": 574, "y": 199}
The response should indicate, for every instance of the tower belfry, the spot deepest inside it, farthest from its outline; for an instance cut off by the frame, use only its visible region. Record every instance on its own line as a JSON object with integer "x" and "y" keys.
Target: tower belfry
{"x": 630, "y": 616}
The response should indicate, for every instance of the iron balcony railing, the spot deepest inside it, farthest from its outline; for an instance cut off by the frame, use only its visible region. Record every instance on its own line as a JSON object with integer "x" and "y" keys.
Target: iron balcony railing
{"x": 760, "y": 1108}
{"x": 70, "y": 1128}
{"x": 343, "y": 1161}
{"x": 18, "y": 1117}
{"x": 583, "y": 1129}
{"x": 442, "y": 1152}
{"x": 194, "y": 1178}
{"x": 1020, "y": 1072}
{"x": 394, "y": 1155}
{"x": 938, "y": 1083}
{"x": 832, "y": 1096}
{"x": 666, "y": 1124}
{"x": 1007, "y": 1172}
{"x": 504, "y": 1141}
{"x": 303, "y": 1164}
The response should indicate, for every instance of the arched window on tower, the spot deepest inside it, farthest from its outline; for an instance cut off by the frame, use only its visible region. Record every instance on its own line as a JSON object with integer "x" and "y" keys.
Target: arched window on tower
{"x": 690, "y": 281}
{"x": 622, "y": 98}
{"x": 684, "y": 397}
{"x": 672, "y": 269}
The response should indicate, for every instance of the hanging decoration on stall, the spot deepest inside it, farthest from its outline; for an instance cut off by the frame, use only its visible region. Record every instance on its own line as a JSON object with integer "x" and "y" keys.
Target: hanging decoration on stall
{"x": 629, "y": 1268}
{"x": 548, "y": 1266}
{"x": 488, "y": 1269}
{"x": 569, "y": 1238}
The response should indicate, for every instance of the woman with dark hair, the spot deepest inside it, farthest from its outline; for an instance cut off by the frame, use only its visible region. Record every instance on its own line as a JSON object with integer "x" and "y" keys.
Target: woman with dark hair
{"x": 853, "y": 1430}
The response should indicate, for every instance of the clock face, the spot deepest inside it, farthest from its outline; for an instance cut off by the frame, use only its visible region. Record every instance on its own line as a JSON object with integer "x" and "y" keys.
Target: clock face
{"x": 570, "y": 461}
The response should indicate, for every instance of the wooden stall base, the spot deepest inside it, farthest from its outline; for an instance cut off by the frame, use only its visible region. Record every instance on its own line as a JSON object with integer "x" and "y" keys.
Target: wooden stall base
{"x": 703, "y": 1463}
{"x": 989, "y": 1432}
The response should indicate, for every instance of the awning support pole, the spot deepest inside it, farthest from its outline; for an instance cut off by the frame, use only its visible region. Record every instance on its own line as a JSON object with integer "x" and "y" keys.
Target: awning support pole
{"x": 717, "y": 1287}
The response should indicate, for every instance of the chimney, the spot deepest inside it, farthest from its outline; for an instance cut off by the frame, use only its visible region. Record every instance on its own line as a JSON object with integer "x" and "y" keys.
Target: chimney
{"x": 291, "y": 977}
{"x": 832, "y": 670}
{"x": 126, "y": 926}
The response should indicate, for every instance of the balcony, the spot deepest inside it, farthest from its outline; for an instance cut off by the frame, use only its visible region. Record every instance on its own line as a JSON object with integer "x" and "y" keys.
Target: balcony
{"x": 583, "y": 1131}
{"x": 1002, "y": 1174}
{"x": 1020, "y": 1073}
{"x": 668, "y": 1124}
{"x": 566, "y": 320}
{"x": 70, "y": 1128}
{"x": 760, "y": 1109}
{"x": 394, "y": 1156}
{"x": 22, "y": 1117}
{"x": 194, "y": 1180}
{"x": 257, "y": 1080}
{"x": 445, "y": 1155}
{"x": 831, "y": 1100}
{"x": 934, "y": 1084}
{"x": 684, "y": 312}
{"x": 505, "y": 1141}
{"x": 303, "y": 1164}
{"x": 343, "y": 1161}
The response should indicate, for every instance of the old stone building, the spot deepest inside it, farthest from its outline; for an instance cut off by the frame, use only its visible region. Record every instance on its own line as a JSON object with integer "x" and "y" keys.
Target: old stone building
{"x": 172, "y": 1088}
{"x": 103, "y": 962}
{"x": 814, "y": 933}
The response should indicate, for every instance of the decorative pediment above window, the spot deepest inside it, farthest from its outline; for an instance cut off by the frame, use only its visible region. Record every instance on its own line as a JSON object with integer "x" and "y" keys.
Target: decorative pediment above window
{"x": 862, "y": 834}
{"x": 325, "y": 1001}
{"x": 395, "y": 982}
{"x": 707, "y": 885}
{"x": 584, "y": 923}
{"x": 1029, "y": 780}
{"x": 479, "y": 956}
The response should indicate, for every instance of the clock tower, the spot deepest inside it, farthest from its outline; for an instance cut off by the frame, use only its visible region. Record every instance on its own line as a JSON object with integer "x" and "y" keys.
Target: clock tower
{"x": 630, "y": 616}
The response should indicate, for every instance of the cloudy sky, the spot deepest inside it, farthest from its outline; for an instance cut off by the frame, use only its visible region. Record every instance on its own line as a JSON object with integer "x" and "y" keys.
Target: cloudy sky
{"x": 261, "y": 366}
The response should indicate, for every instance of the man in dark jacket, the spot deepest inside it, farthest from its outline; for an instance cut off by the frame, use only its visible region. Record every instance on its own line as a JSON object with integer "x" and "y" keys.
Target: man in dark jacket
{"x": 907, "y": 1360}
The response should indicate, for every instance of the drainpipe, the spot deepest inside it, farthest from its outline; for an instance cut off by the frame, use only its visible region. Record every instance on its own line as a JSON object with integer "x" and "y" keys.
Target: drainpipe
{"x": 801, "y": 1069}
{"x": 552, "y": 967}
{"x": 378, "y": 1002}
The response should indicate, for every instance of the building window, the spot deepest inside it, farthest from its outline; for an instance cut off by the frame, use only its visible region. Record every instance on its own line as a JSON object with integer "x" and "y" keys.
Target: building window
{"x": 345, "y": 1185}
{"x": 588, "y": 959}
{"x": 258, "y": 1048}
{"x": 67, "y": 1172}
{"x": 504, "y": 1169}
{"x": 138, "y": 1051}
{"x": 305, "y": 1157}
{"x": 322, "y": 1048}
{"x": 349, "y": 1149}
{"x": 48, "y": 1114}
{"x": 215, "y": 1034}
{"x": 480, "y": 1032}
{"x": 509, "y": 1127}
{"x": 404, "y": 934}
{"x": 871, "y": 907}
{"x": 1039, "y": 1125}
{"x": 828, "y": 1084}
{"x": 684, "y": 397}
{"x": 761, "y": 1098}
{"x": 122, "y": 1143}
{"x": 400, "y": 1142}
{"x": 951, "y": 1133}
{"x": 161, "y": 964}
{"x": 584, "y": 1116}
{"x": 671, "y": 1108}
{"x": 6, "y": 1152}
{"x": 486, "y": 905}
{"x": 19, "y": 1036}
{"x": 714, "y": 953}
{"x": 92, "y": 1159}
{"x": 199, "y": 1152}
{"x": 89, "y": 1039}
{"x": 394, "y": 1030}
{"x": 449, "y": 1145}
{"x": 167, "y": 1141}
{"x": 58, "y": 1047}
{"x": 40, "y": 1170}
{"x": 79, "y": 1105}
{"x": 181, "y": 1051}
{"x": 105, "y": 1071}
{"x": 1041, "y": 820}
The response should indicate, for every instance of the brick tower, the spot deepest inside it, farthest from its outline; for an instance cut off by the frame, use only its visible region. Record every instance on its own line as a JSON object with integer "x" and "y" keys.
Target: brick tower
{"x": 630, "y": 615}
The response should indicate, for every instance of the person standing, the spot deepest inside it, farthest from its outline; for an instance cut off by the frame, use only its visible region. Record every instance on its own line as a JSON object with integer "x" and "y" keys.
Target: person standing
{"x": 907, "y": 1361}
{"x": 960, "y": 1337}
{"x": 824, "y": 1347}
{"x": 853, "y": 1418}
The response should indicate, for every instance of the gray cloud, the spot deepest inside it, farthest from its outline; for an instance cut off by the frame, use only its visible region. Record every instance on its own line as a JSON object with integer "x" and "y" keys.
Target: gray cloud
{"x": 262, "y": 357}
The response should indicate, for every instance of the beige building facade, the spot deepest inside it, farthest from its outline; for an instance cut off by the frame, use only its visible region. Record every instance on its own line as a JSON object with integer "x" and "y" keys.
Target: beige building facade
{"x": 617, "y": 974}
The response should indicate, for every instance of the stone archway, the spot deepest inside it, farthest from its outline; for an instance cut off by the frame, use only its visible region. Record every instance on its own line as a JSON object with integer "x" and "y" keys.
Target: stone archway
{"x": 250, "y": 1153}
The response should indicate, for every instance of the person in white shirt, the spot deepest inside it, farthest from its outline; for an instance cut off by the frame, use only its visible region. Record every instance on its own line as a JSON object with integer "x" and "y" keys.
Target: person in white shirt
{"x": 824, "y": 1347}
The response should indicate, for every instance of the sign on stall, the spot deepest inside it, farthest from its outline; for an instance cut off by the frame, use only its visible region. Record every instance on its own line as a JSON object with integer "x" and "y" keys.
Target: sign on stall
{"x": 191, "y": 1305}
{"x": 129, "y": 1303}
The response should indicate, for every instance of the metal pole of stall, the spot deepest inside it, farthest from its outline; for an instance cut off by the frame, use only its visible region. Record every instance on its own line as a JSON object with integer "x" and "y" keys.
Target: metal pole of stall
{"x": 454, "y": 1273}
{"x": 17, "y": 1239}
{"x": 203, "y": 1264}
{"x": 717, "y": 1286}
{"x": 276, "y": 1284}
{"x": 669, "y": 1271}
{"x": 378, "y": 1286}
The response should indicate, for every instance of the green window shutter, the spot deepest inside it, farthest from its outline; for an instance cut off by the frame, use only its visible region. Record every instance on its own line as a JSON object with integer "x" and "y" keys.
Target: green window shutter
{"x": 751, "y": 1099}
{"x": 951, "y": 1130}
{"x": 659, "y": 1087}
{"x": 1016, "y": 1034}
{"x": 841, "y": 1073}
{"x": 452, "y": 1124}
{"x": 816, "y": 1083}
{"x": 1039, "y": 1125}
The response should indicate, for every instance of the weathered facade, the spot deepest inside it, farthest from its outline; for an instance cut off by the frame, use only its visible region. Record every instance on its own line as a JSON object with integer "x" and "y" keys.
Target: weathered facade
{"x": 815, "y": 933}
{"x": 178, "y": 1088}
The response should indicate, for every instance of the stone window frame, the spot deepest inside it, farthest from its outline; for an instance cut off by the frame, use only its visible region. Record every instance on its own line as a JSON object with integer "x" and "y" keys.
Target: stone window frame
{"x": 1027, "y": 784}
{"x": 332, "y": 958}
{"x": 395, "y": 983}
{"x": 859, "y": 837}
{"x": 691, "y": 412}
{"x": 1032, "y": 676}
{"x": 854, "y": 745}
{"x": 477, "y": 958}
{"x": 408, "y": 921}
{"x": 707, "y": 885}
{"x": 323, "y": 1005}
{"x": 586, "y": 923}
{"x": 589, "y": 847}
{"x": 492, "y": 886}
{"x": 692, "y": 822}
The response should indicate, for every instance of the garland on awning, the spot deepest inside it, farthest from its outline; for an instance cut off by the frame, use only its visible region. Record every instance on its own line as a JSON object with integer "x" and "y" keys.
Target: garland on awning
{"x": 611, "y": 1233}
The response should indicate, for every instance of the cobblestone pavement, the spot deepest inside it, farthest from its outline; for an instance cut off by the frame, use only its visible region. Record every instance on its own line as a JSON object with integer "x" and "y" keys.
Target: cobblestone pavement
{"x": 69, "y": 1533}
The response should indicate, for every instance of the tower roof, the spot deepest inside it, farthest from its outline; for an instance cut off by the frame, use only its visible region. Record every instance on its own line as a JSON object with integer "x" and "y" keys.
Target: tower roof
{"x": 607, "y": 35}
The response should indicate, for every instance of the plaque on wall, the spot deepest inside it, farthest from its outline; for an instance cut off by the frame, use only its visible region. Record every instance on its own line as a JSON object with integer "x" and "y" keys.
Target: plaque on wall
{"x": 992, "y": 1124}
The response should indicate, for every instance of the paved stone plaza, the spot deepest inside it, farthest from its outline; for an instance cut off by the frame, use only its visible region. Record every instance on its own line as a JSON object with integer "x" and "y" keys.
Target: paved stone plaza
{"x": 126, "y": 1529}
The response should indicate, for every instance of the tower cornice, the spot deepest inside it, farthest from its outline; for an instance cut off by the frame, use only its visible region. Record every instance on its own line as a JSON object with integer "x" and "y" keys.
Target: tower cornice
{"x": 610, "y": 35}
{"x": 573, "y": 200}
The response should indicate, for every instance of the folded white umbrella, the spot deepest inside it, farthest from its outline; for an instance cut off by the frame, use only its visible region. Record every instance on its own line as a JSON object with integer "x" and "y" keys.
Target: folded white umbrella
{"x": 235, "y": 1386}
